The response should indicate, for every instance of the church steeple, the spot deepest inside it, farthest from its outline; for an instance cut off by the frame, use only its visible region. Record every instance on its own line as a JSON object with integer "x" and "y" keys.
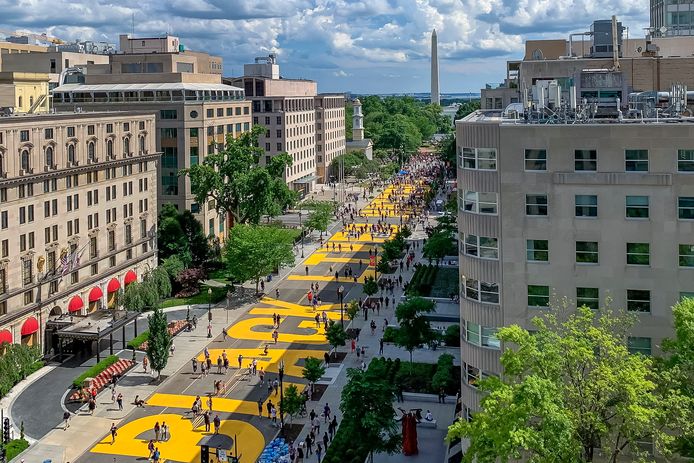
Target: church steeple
{"x": 357, "y": 121}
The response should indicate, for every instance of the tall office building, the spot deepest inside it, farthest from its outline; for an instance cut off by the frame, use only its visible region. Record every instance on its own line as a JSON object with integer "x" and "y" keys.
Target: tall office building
{"x": 672, "y": 18}
{"x": 289, "y": 110}
{"x": 78, "y": 216}
{"x": 195, "y": 111}
{"x": 582, "y": 209}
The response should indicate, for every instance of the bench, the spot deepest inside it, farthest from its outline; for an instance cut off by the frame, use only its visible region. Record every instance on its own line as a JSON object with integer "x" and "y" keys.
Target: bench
{"x": 427, "y": 424}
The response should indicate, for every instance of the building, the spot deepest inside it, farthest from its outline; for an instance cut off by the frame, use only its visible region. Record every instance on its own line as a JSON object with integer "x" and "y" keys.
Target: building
{"x": 51, "y": 62}
{"x": 24, "y": 92}
{"x": 579, "y": 209}
{"x": 78, "y": 215}
{"x": 330, "y": 131}
{"x": 358, "y": 142}
{"x": 672, "y": 18}
{"x": 11, "y": 48}
{"x": 287, "y": 110}
{"x": 194, "y": 111}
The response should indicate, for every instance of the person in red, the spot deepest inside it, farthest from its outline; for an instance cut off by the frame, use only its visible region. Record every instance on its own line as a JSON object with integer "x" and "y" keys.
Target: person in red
{"x": 310, "y": 296}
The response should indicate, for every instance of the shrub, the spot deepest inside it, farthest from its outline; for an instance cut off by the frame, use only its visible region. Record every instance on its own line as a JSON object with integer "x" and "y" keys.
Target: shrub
{"x": 139, "y": 340}
{"x": 15, "y": 447}
{"x": 16, "y": 363}
{"x": 189, "y": 279}
{"x": 390, "y": 334}
{"x": 443, "y": 378}
{"x": 452, "y": 336}
{"x": 95, "y": 370}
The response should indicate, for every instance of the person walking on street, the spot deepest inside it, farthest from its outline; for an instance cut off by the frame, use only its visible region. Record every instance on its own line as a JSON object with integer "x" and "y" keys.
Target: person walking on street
{"x": 326, "y": 412}
{"x": 260, "y": 408}
{"x": 319, "y": 451}
{"x": 164, "y": 431}
{"x": 145, "y": 362}
{"x": 157, "y": 431}
{"x": 380, "y": 347}
{"x": 240, "y": 359}
{"x": 217, "y": 422}
{"x": 156, "y": 455}
{"x": 194, "y": 361}
{"x": 119, "y": 400}
{"x": 325, "y": 438}
{"x": 114, "y": 433}
{"x": 206, "y": 418}
{"x": 269, "y": 407}
{"x": 66, "y": 419}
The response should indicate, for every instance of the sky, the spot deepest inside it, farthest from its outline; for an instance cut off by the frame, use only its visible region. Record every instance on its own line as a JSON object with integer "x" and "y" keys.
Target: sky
{"x": 359, "y": 46}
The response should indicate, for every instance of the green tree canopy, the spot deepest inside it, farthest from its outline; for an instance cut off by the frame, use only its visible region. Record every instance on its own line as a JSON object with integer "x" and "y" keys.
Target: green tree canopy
{"x": 336, "y": 335}
{"x": 466, "y": 108}
{"x": 370, "y": 286}
{"x": 159, "y": 341}
{"x": 239, "y": 185}
{"x": 291, "y": 401}
{"x": 313, "y": 370}
{"x": 439, "y": 245}
{"x": 414, "y": 328}
{"x": 570, "y": 390}
{"x": 253, "y": 251}
{"x": 180, "y": 234}
{"x": 319, "y": 218}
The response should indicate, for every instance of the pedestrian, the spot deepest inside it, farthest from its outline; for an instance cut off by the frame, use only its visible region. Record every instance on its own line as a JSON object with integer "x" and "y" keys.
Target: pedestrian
{"x": 380, "y": 347}
{"x": 145, "y": 362}
{"x": 325, "y": 437}
{"x": 194, "y": 361}
{"x": 354, "y": 344}
{"x": 326, "y": 412}
{"x": 319, "y": 451}
{"x": 224, "y": 334}
{"x": 119, "y": 400}
{"x": 91, "y": 406}
{"x": 333, "y": 428}
{"x": 260, "y": 408}
{"x": 261, "y": 375}
{"x": 326, "y": 357}
{"x": 206, "y": 418}
{"x": 358, "y": 353}
{"x": 156, "y": 455}
{"x": 309, "y": 445}
{"x": 216, "y": 423}
{"x": 273, "y": 416}
{"x": 164, "y": 431}
{"x": 442, "y": 396}
{"x": 150, "y": 448}
{"x": 209, "y": 364}
{"x": 220, "y": 364}
{"x": 66, "y": 419}
{"x": 316, "y": 425}
{"x": 307, "y": 270}
{"x": 277, "y": 293}
{"x": 209, "y": 401}
{"x": 275, "y": 335}
{"x": 203, "y": 369}
{"x": 254, "y": 367}
{"x": 114, "y": 433}
{"x": 240, "y": 359}
{"x": 157, "y": 431}
{"x": 276, "y": 386}
{"x": 269, "y": 407}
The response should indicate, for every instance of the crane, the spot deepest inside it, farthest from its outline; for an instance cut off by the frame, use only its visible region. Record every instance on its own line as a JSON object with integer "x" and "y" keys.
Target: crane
{"x": 40, "y": 37}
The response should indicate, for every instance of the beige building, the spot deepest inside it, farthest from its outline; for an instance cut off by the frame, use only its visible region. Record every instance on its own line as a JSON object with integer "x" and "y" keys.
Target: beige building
{"x": 194, "y": 110}
{"x": 585, "y": 211}
{"x": 51, "y": 62}
{"x": 330, "y": 131}
{"x": 11, "y": 48}
{"x": 78, "y": 215}
{"x": 24, "y": 92}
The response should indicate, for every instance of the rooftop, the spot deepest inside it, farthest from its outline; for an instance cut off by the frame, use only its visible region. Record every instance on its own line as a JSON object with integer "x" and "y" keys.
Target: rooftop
{"x": 502, "y": 117}
{"x": 23, "y": 117}
{"x": 164, "y": 86}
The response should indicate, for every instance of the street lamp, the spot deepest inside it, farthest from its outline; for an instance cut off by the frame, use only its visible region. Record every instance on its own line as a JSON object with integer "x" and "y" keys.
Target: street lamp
{"x": 376, "y": 263}
{"x": 340, "y": 293}
{"x": 209, "y": 310}
{"x": 302, "y": 233}
{"x": 281, "y": 372}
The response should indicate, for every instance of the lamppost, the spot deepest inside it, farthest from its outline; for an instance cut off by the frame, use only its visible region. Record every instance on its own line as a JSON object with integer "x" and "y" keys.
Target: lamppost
{"x": 209, "y": 310}
{"x": 376, "y": 264}
{"x": 302, "y": 233}
{"x": 340, "y": 293}
{"x": 281, "y": 372}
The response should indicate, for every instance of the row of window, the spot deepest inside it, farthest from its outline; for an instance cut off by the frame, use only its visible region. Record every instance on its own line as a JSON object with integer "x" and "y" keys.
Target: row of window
{"x": 482, "y": 336}
{"x": 49, "y": 133}
{"x": 537, "y": 205}
{"x": 585, "y": 160}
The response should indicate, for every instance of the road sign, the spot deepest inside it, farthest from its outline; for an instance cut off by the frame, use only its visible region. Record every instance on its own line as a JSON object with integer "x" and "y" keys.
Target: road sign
{"x": 222, "y": 455}
{"x": 372, "y": 261}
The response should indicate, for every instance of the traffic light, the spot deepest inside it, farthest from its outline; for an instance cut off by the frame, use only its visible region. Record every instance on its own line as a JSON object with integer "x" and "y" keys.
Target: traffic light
{"x": 3, "y": 454}
{"x": 6, "y": 430}
{"x": 204, "y": 454}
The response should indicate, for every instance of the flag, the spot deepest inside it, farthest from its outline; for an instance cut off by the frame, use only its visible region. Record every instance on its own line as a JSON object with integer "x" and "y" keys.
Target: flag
{"x": 63, "y": 263}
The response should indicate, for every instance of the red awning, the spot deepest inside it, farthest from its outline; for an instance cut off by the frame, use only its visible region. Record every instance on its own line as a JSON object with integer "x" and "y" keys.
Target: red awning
{"x": 130, "y": 277}
{"x": 76, "y": 303}
{"x": 30, "y": 326}
{"x": 113, "y": 286}
{"x": 5, "y": 337}
{"x": 95, "y": 294}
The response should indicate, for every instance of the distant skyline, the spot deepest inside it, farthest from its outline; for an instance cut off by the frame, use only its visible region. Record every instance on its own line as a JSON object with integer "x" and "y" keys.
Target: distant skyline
{"x": 369, "y": 46}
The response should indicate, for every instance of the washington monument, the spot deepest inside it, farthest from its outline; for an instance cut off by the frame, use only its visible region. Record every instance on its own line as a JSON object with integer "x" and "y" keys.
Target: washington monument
{"x": 435, "y": 97}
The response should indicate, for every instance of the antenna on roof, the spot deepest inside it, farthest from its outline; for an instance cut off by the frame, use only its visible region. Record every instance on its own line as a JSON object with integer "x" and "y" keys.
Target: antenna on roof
{"x": 132, "y": 22}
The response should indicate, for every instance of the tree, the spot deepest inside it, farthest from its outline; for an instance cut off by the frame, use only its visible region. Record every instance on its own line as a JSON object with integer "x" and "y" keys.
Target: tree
{"x": 171, "y": 241}
{"x": 415, "y": 329}
{"x": 189, "y": 279}
{"x": 370, "y": 286}
{"x": 336, "y": 335}
{"x": 291, "y": 401}
{"x": 173, "y": 266}
{"x": 367, "y": 409}
{"x": 320, "y": 216}
{"x": 467, "y": 108}
{"x": 160, "y": 281}
{"x": 159, "y": 342}
{"x": 571, "y": 388}
{"x": 140, "y": 296}
{"x": 352, "y": 309}
{"x": 446, "y": 150}
{"x": 253, "y": 251}
{"x": 313, "y": 371}
{"x": 439, "y": 245}
{"x": 240, "y": 187}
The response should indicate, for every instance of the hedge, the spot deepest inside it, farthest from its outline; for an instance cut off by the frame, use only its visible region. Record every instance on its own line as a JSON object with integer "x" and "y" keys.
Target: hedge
{"x": 389, "y": 334}
{"x": 94, "y": 371}
{"x": 452, "y": 336}
{"x": 137, "y": 342}
{"x": 15, "y": 447}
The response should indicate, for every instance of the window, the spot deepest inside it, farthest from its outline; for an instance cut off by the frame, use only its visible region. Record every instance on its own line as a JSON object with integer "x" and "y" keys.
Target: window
{"x": 71, "y": 159}
{"x": 638, "y": 254}
{"x": 93, "y": 250}
{"x": 586, "y": 160}
{"x": 686, "y": 255}
{"x": 480, "y": 203}
{"x": 481, "y": 291}
{"x": 489, "y": 338}
{"x": 473, "y": 375}
{"x": 637, "y": 207}
{"x": 168, "y": 114}
{"x": 27, "y": 275}
{"x": 481, "y": 246}
{"x": 586, "y": 205}
{"x": 589, "y": 297}
{"x": 636, "y": 160}
{"x": 538, "y": 296}
{"x": 25, "y": 161}
{"x": 537, "y": 250}
{"x": 685, "y": 207}
{"x": 70, "y": 131}
{"x": 126, "y": 146}
{"x": 479, "y": 158}
{"x": 638, "y": 300}
{"x": 109, "y": 128}
{"x": 472, "y": 333}
{"x": 639, "y": 345}
{"x": 685, "y": 160}
{"x": 536, "y": 205}
{"x": 23, "y": 135}
{"x": 91, "y": 155}
{"x": 536, "y": 160}
{"x": 586, "y": 252}
{"x": 90, "y": 130}
{"x": 48, "y": 134}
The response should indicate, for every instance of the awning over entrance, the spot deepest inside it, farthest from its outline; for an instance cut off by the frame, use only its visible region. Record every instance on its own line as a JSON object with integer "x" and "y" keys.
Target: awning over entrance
{"x": 30, "y": 326}
{"x": 130, "y": 277}
{"x": 95, "y": 294}
{"x": 5, "y": 337}
{"x": 113, "y": 286}
{"x": 306, "y": 179}
{"x": 75, "y": 305}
